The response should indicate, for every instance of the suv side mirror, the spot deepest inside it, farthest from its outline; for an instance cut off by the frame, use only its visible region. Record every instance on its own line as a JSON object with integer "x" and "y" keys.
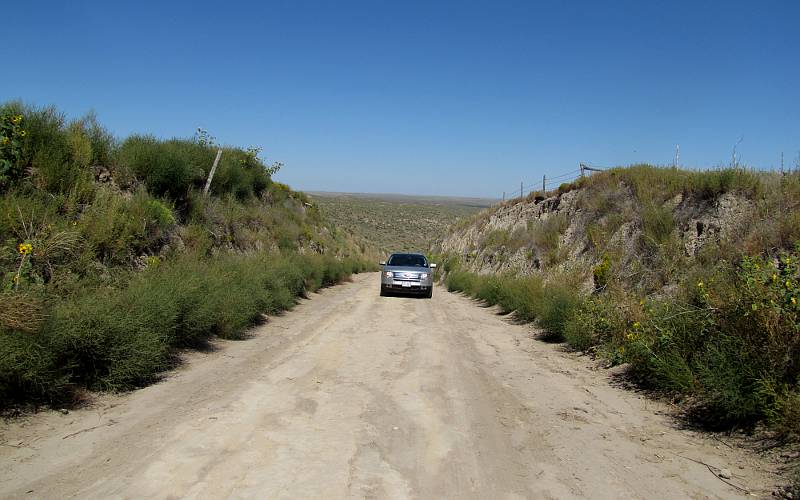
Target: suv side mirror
{"x": 433, "y": 266}
{"x": 383, "y": 262}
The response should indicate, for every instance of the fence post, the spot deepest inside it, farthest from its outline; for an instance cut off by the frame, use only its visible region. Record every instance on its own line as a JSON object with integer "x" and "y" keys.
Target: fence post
{"x": 211, "y": 174}
{"x": 520, "y": 189}
{"x": 581, "y": 170}
{"x": 544, "y": 183}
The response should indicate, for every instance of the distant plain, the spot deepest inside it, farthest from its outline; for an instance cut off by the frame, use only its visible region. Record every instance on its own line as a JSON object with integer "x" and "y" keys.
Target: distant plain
{"x": 396, "y": 222}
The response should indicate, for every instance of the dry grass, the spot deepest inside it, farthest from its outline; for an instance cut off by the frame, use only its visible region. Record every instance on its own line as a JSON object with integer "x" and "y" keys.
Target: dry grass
{"x": 21, "y": 312}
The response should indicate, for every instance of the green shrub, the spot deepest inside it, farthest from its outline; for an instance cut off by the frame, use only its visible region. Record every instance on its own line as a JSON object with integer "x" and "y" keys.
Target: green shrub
{"x": 240, "y": 173}
{"x": 102, "y": 143}
{"x": 558, "y": 304}
{"x": 462, "y": 281}
{"x": 521, "y": 296}
{"x": 174, "y": 167}
{"x": 168, "y": 168}
{"x": 710, "y": 184}
{"x": 657, "y": 225}
{"x": 496, "y": 238}
{"x": 599, "y": 321}
{"x": 102, "y": 341}
{"x": 488, "y": 289}
{"x": 118, "y": 229}
{"x": 28, "y": 369}
{"x": 547, "y": 237}
{"x": 12, "y": 134}
{"x": 57, "y": 153}
{"x": 732, "y": 342}
{"x": 118, "y": 338}
{"x": 600, "y": 273}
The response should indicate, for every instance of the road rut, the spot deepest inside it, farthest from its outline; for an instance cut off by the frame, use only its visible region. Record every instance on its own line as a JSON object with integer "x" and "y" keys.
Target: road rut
{"x": 352, "y": 395}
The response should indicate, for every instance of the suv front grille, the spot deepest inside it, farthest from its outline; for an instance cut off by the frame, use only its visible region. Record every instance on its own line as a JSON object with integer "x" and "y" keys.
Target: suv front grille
{"x": 406, "y": 276}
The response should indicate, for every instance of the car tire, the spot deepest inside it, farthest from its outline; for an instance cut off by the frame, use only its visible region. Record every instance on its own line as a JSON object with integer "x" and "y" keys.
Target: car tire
{"x": 430, "y": 293}
{"x": 384, "y": 293}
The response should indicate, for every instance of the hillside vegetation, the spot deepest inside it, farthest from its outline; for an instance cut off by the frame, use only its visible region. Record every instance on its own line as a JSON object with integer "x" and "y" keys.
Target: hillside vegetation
{"x": 111, "y": 257}
{"x": 690, "y": 278}
{"x": 396, "y": 223}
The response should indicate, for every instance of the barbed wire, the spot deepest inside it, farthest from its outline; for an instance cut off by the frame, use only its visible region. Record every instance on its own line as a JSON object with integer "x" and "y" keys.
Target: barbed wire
{"x": 551, "y": 183}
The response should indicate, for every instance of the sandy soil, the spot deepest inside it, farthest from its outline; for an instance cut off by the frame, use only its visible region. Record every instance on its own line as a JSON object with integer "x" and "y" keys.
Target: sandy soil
{"x": 353, "y": 395}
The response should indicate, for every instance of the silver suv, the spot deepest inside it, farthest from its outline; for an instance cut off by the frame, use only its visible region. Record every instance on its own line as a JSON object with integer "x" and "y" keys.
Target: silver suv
{"x": 407, "y": 273}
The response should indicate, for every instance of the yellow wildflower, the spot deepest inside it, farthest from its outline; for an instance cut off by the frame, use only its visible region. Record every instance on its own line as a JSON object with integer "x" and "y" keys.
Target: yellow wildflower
{"x": 22, "y": 133}
{"x": 5, "y": 140}
{"x": 788, "y": 284}
{"x": 774, "y": 277}
{"x": 794, "y": 301}
{"x": 637, "y": 325}
{"x": 25, "y": 248}
{"x": 16, "y": 119}
{"x": 700, "y": 284}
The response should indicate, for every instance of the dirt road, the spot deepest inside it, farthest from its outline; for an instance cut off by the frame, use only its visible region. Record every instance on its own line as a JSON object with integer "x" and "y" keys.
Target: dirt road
{"x": 352, "y": 395}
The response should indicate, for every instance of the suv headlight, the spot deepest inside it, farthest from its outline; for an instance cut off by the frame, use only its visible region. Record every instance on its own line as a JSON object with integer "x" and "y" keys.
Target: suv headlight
{"x": 423, "y": 276}
{"x": 388, "y": 274}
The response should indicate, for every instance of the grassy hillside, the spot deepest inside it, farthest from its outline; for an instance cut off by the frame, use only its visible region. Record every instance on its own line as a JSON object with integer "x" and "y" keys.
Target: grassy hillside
{"x": 691, "y": 278}
{"x": 391, "y": 223}
{"x": 111, "y": 257}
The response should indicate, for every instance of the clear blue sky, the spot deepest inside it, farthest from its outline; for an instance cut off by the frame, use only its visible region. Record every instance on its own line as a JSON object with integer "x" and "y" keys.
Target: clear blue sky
{"x": 454, "y": 98}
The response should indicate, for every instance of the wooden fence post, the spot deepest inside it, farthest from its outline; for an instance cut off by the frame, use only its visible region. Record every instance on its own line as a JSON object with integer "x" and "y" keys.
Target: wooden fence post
{"x": 211, "y": 174}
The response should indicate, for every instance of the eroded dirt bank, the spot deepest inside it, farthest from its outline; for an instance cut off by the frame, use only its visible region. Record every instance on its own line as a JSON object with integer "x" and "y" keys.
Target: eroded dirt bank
{"x": 353, "y": 395}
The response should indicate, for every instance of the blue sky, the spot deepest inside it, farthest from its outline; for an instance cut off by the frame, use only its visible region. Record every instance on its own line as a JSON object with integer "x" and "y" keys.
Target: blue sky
{"x": 452, "y": 98}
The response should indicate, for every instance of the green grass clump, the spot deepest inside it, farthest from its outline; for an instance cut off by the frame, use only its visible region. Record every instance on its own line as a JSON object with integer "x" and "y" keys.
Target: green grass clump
{"x": 557, "y": 307}
{"x": 168, "y": 168}
{"x": 119, "y": 229}
{"x": 119, "y": 338}
{"x": 548, "y": 235}
{"x": 551, "y": 305}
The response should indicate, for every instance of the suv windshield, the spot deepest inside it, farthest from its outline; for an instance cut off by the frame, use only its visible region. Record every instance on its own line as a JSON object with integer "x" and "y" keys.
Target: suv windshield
{"x": 404, "y": 259}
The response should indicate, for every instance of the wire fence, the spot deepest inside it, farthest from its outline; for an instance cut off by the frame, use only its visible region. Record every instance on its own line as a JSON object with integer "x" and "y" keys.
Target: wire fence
{"x": 548, "y": 183}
